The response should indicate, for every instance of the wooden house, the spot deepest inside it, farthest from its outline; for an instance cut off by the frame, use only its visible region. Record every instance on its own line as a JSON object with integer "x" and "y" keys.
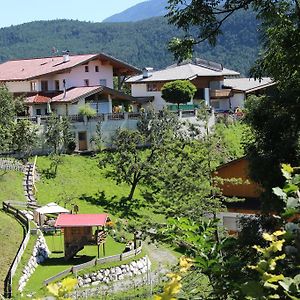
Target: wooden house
{"x": 78, "y": 230}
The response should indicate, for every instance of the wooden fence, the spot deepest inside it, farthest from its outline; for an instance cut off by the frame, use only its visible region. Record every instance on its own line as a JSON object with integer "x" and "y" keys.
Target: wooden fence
{"x": 8, "y": 208}
{"x": 95, "y": 262}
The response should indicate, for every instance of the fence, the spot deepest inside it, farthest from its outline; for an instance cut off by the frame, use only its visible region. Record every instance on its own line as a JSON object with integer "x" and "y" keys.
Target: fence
{"x": 95, "y": 262}
{"x": 8, "y": 208}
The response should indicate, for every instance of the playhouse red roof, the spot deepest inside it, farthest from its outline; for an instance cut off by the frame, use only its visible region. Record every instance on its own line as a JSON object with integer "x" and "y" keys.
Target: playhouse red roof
{"x": 81, "y": 220}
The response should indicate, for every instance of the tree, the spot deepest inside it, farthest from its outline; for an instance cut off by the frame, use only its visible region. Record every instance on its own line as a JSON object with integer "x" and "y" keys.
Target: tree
{"x": 178, "y": 91}
{"x": 24, "y": 137}
{"x": 138, "y": 156}
{"x": 274, "y": 119}
{"x": 58, "y": 135}
{"x": 7, "y": 117}
{"x": 69, "y": 144}
{"x": 53, "y": 134}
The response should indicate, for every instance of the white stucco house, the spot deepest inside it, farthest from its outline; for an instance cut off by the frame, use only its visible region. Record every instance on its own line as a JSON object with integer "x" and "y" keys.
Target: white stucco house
{"x": 221, "y": 88}
{"x": 205, "y": 75}
{"x": 236, "y": 90}
{"x": 46, "y": 81}
{"x": 63, "y": 84}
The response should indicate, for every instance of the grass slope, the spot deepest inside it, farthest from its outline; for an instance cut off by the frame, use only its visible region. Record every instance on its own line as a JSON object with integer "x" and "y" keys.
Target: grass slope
{"x": 79, "y": 178}
{"x": 11, "y": 231}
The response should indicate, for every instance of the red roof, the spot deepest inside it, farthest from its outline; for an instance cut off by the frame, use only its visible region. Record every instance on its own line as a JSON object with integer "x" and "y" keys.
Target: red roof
{"x": 27, "y": 69}
{"x": 81, "y": 220}
{"x": 37, "y": 99}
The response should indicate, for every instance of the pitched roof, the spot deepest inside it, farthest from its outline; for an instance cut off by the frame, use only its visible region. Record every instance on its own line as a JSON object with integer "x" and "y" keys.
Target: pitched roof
{"x": 27, "y": 69}
{"x": 37, "y": 99}
{"x": 187, "y": 71}
{"x": 81, "y": 220}
{"x": 52, "y": 208}
{"x": 74, "y": 94}
{"x": 248, "y": 85}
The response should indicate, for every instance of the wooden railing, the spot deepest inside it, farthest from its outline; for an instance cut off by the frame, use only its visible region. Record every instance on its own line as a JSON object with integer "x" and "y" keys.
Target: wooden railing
{"x": 8, "y": 208}
{"x": 94, "y": 262}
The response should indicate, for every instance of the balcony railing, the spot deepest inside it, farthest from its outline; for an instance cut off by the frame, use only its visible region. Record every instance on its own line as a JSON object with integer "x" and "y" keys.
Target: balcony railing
{"x": 106, "y": 117}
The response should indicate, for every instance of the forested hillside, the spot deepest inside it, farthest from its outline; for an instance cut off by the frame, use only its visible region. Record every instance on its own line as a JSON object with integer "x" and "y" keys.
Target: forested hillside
{"x": 142, "y": 43}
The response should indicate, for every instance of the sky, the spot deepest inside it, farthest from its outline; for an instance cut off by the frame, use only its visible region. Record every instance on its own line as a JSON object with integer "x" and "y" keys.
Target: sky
{"x": 14, "y": 12}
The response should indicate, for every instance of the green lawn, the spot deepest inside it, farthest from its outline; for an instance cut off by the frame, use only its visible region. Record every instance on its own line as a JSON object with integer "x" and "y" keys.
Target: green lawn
{"x": 79, "y": 177}
{"x": 11, "y": 186}
{"x": 56, "y": 262}
{"x": 11, "y": 231}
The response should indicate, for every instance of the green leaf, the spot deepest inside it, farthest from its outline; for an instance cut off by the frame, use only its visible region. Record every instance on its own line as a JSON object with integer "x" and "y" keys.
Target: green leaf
{"x": 280, "y": 193}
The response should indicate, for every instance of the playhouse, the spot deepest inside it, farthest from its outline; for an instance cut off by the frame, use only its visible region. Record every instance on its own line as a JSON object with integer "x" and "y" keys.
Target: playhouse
{"x": 78, "y": 231}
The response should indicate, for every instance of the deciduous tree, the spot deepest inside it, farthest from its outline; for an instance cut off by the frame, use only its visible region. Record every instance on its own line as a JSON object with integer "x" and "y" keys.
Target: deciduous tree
{"x": 178, "y": 91}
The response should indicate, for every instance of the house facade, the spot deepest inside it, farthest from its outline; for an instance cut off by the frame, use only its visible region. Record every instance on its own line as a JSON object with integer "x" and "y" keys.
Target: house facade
{"x": 46, "y": 81}
{"x": 236, "y": 90}
{"x": 220, "y": 88}
{"x": 63, "y": 84}
{"x": 205, "y": 75}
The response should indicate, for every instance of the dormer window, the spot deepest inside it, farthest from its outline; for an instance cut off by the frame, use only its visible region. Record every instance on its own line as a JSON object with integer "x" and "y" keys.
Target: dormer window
{"x": 96, "y": 69}
{"x": 86, "y": 69}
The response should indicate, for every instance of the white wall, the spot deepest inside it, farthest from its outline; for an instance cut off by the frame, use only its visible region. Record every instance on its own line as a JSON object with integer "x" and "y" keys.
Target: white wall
{"x": 238, "y": 99}
{"x": 18, "y": 86}
{"x": 140, "y": 90}
{"x": 77, "y": 75}
{"x": 74, "y": 78}
{"x": 223, "y": 104}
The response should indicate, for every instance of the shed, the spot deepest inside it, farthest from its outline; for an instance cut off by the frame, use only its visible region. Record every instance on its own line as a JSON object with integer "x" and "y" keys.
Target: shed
{"x": 78, "y": 231}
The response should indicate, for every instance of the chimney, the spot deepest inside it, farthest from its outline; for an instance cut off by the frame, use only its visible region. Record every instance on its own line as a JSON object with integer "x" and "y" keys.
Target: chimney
{"x": 66, "y": 56}
{"x": 147, "y": 72}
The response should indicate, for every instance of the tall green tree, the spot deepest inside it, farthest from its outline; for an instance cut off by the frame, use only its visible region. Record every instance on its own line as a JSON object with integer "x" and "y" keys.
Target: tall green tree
{"x": 24, "y": 138}
{"x": 7, "y": 117}
{"x": 178, "y": 91}
{"x": 138, "y": 156}
{"x": 274, "y": 119}
{"x": 58, "y": 135}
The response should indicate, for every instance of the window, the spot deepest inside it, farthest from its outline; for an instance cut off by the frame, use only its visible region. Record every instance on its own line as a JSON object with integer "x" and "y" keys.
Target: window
{"x": 86, "y": 68}
{"x": 44, "y": 85}
{"x": 199, "y": 94}
{"x": 103, "y": 82}
{"x": 56, "y": 84}
{"x": 38, "y": 112}
{"x": 152, "y": 87}
{"x": 86, "y": 82}
{"x": 33, "y": 86}
{"x": 97, "y": 69}
{"x": 215, "y": 104}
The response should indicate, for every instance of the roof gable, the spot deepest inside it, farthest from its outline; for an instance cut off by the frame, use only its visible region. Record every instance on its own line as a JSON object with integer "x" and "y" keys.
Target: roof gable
{"x": 27, "y": 69}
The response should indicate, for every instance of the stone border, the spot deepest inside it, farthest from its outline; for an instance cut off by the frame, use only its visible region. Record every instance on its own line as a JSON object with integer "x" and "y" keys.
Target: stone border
{"x": 105, "y": 276}
{"x": 39, "y": 254}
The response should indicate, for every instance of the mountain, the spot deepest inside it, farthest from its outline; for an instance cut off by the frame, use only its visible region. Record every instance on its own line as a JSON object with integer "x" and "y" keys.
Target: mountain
{"x": 140, "y": 11}
{"x": 142, "y": 43}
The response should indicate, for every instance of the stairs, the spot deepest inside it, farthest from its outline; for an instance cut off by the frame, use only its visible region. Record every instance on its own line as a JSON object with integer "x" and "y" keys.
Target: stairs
{"x": 28, "y": 185}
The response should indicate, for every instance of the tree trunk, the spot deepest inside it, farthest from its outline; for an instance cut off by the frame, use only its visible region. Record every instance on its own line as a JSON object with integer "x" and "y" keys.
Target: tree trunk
{"x": 133, "y": 187}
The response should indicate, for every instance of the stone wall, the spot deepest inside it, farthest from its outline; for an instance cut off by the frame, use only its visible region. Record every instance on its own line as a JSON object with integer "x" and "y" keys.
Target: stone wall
{"x": 39, "y": 254}
{"x": 104, "y": 276}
